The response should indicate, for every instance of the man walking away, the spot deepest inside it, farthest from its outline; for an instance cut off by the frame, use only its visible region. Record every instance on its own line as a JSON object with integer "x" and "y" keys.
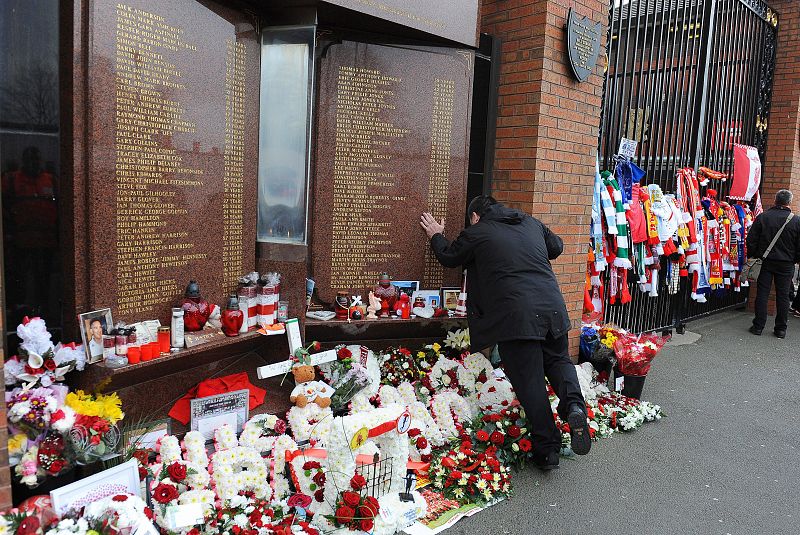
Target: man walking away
{"x": 513, "y": 300}
{"x": 778, "y": 264}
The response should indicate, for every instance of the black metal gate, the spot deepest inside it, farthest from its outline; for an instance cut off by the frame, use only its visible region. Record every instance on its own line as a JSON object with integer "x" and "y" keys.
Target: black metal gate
{"x": 686, "y": 79}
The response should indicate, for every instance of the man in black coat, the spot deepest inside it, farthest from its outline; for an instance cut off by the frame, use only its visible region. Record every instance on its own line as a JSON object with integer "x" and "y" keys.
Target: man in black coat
{"x": 513, "y": 300}
{"x": 779, "y": 264}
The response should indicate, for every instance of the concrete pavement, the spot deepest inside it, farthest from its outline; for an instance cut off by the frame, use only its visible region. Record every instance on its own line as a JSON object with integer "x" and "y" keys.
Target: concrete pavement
{"x": 723, "y": 461}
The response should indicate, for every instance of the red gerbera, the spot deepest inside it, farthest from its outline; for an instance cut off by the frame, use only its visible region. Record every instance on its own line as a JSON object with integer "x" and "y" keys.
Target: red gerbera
{"x": 482, "y": 435}
{"x": 525, "y": 445}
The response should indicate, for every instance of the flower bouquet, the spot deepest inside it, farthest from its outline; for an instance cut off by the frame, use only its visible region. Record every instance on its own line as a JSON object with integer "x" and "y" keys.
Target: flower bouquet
{"x": 467, "y": 476}
{"x": 38, "y": 361}
{"x": 426, "y": 358}
{"x": 346, "y": 376}
{"x": 635, "y": 354}
{"x": 603, "y": 357}
{"x": 398, "y": 366}
{"x": 353, "y": 510}
{"x": 16, "y": 522}
{"x": 457, "y": 343}
{"x": 505, "y": 435}
{"x": 33, "y": 411}
{"x": 95, "y": 433}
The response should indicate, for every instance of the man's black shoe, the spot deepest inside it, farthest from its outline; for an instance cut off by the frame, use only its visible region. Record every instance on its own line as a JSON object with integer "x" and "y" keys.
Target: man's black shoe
{"x": 780, "y": 334}
{"x": 579, "y": 431}
{"x": 755, "y": 331}
{"x": 548, "y": 462}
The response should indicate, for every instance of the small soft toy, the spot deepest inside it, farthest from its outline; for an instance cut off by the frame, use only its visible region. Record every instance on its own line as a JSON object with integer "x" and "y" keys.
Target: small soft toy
{"x": 308, "y": 390}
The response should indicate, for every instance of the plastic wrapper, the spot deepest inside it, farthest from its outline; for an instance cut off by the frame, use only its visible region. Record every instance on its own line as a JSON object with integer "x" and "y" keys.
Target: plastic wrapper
{"x": 635, "y": 354}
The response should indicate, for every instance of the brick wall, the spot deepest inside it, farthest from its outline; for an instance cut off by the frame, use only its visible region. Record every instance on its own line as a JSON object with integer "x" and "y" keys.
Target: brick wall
{"x": 782, "y": 165}
{"x": 547, "y": 126}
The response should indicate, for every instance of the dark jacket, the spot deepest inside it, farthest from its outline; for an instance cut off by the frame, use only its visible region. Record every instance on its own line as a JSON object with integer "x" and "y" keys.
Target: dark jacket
{"x": 512, "y": 292}
{"x": 766, "y": 225}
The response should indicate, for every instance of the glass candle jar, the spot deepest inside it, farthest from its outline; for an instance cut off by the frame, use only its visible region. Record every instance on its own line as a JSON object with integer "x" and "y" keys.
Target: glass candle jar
{"x": 147, "y": 352}
{"x": 121, "y": 341}
{"x": 109, "y": 346}
{"x": 163, "y": 340}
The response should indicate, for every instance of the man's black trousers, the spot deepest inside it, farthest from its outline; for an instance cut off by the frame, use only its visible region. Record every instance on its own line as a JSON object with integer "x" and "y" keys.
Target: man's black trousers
{"x": 526, "y": 363}
{"x": 781, "y": 273}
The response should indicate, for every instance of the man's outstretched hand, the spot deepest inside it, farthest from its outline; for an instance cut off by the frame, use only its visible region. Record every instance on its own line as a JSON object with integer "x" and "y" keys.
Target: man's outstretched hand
{"x": 430, "y": 225}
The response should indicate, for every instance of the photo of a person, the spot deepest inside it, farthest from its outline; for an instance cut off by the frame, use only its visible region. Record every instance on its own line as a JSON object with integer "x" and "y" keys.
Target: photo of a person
{"x": 93, "y": 326}
{"x": 96, "y": 340}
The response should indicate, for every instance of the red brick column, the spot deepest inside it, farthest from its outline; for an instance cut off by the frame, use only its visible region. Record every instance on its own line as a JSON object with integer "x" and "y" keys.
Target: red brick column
{"x": 547, "y": 126}
{"x": 782, "y": 165}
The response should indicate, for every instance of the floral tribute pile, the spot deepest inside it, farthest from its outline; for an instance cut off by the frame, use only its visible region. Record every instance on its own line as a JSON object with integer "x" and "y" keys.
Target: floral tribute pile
{"x": 50, "y": 428}
{"x": 439, "y": 411}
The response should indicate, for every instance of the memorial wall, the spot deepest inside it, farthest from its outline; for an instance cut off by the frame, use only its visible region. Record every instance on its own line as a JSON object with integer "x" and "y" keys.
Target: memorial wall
{"x": 173, "y": 155}
{"x": 392, "y": 142}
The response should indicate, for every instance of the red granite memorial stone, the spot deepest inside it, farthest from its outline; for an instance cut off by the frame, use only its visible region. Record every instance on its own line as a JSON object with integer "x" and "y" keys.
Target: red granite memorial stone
{"x": 392, "y": 142}
{"x": 172, "y": 163}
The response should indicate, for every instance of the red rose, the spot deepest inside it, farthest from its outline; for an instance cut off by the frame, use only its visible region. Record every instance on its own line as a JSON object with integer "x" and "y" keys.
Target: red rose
{"x": 311, "y": 465}
{"x": 57, "y": 465}
{"x": 50, "y": 364}
{"x": 525, "y": 445}
{"x": 514, "y": 431}
{"x": 28, "y": 526}
{"x": 414, "y": 432}
{"x": 422, "y": 443}
{"x": 299, "y": 500}
{"x": 319, "y": 478}
{"x": 366, "y": 525}
{"x": 351, "y": 498}
{"x": 164, "y": 493}
{"x": 497, "y": 438}
{"x": 372, "y": 504}
{"x": 344, "y": 514}
{"x": 366, "y": 512}
{"x": 357, "y": 482}
{"x": 177, "y": 472}
{"x": 455, "y": 475}
{"x": 482, "y": 435}
{"x": 344, "y": 354}
{"x": 317, "y": 346}
{"x": 320, "y": 495}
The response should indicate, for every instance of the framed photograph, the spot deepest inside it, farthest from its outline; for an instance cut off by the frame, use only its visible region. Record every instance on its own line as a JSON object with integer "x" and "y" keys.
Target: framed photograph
{"x": 450, "y": 297}
{"x": 407, "y": 287}
{"x": 93, "y": 326}
{"x": 123, "y": 478}
{"x": 147, "y": 434}
{"x": 431, "y": 297}
{"x": 212, "y": 412}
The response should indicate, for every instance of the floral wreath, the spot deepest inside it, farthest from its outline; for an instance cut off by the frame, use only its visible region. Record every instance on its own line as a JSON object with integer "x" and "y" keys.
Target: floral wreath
{"x": 310, "y": 423}
{"x": 495, "y": 394}
{"x": 277, "y": 460}
{"x": 420, "y": 448}
{"x": 228, "y": 463}
{"x": 448, "y": 406}
{"x": 309, "y": 478}
{"x": 261, "y": 431}
{"x": 420, "y": 415}
{"x": 445, "y": 375}
{"x": 191, "y": 473}
{"x": 475, "y": 370}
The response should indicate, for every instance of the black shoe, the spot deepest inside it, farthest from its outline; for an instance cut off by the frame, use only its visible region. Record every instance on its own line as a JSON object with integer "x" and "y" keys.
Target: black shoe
{"x": 755, "y": 330}
{"x": 780, "y": 334}
{"x": 548, "y": 462}
{"x": 579, "y": 431}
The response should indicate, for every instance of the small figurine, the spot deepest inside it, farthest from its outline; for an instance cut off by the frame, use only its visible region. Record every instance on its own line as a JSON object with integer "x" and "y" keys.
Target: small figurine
{"x": 387, "y": 293}
{"x": 308, "y": 390}
{"x": 196, "y": 309}
{"x": 374, "y": 306}
{"x": 232, "y": 317}
{"x": 355, "y": 308}
{"x": 403, "y": 306}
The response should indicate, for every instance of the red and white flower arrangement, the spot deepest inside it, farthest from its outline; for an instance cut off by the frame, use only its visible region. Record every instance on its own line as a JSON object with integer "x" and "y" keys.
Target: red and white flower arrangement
{"x": 353, "y": 510}
{"x": 38, "y": 361}
{"x": 504, "y": 434}
{"x": 468, "y": 476}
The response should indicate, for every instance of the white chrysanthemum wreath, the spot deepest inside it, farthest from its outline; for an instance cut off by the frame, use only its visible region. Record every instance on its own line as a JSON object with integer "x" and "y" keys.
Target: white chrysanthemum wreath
{"x": 446, "y": 408}
{"x": 261, "y": 431}
{"x": 475, "y": 369}
{"x": 420, "y": 415}
{"x": 310, "y": 423}
{"x": 237, "y": 468}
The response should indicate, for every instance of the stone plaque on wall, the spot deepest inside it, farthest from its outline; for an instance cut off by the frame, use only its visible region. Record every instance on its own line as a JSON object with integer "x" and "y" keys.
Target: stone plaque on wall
{"x": 173, "y": 152}
{"x": 455, "y": 19}
{"x": 392, "y": 142}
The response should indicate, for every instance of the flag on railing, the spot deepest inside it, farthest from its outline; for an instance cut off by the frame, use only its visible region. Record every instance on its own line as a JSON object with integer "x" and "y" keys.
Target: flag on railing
{"x": 746, "y": 172}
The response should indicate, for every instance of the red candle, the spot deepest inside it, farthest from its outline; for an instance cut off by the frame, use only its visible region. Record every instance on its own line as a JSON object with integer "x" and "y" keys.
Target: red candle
{"x": 134, "y": 354}
{"x": 163, "y": 340}
{"x": 147, "y": 352}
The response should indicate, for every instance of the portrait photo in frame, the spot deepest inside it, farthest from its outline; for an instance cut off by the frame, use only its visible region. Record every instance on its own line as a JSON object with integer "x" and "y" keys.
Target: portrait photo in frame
{"x": 94, "y": 325}
{"x": 432, "y": 297}
{"x": 450, "y": 297}
{"x": 407, "y": 287}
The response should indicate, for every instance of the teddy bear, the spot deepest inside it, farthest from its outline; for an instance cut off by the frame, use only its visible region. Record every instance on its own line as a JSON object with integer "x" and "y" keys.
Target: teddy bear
{"x": 308, "y": 390}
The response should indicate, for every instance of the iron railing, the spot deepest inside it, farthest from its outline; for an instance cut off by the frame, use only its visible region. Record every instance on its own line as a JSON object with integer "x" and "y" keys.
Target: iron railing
{"x": 686, "y": 79}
